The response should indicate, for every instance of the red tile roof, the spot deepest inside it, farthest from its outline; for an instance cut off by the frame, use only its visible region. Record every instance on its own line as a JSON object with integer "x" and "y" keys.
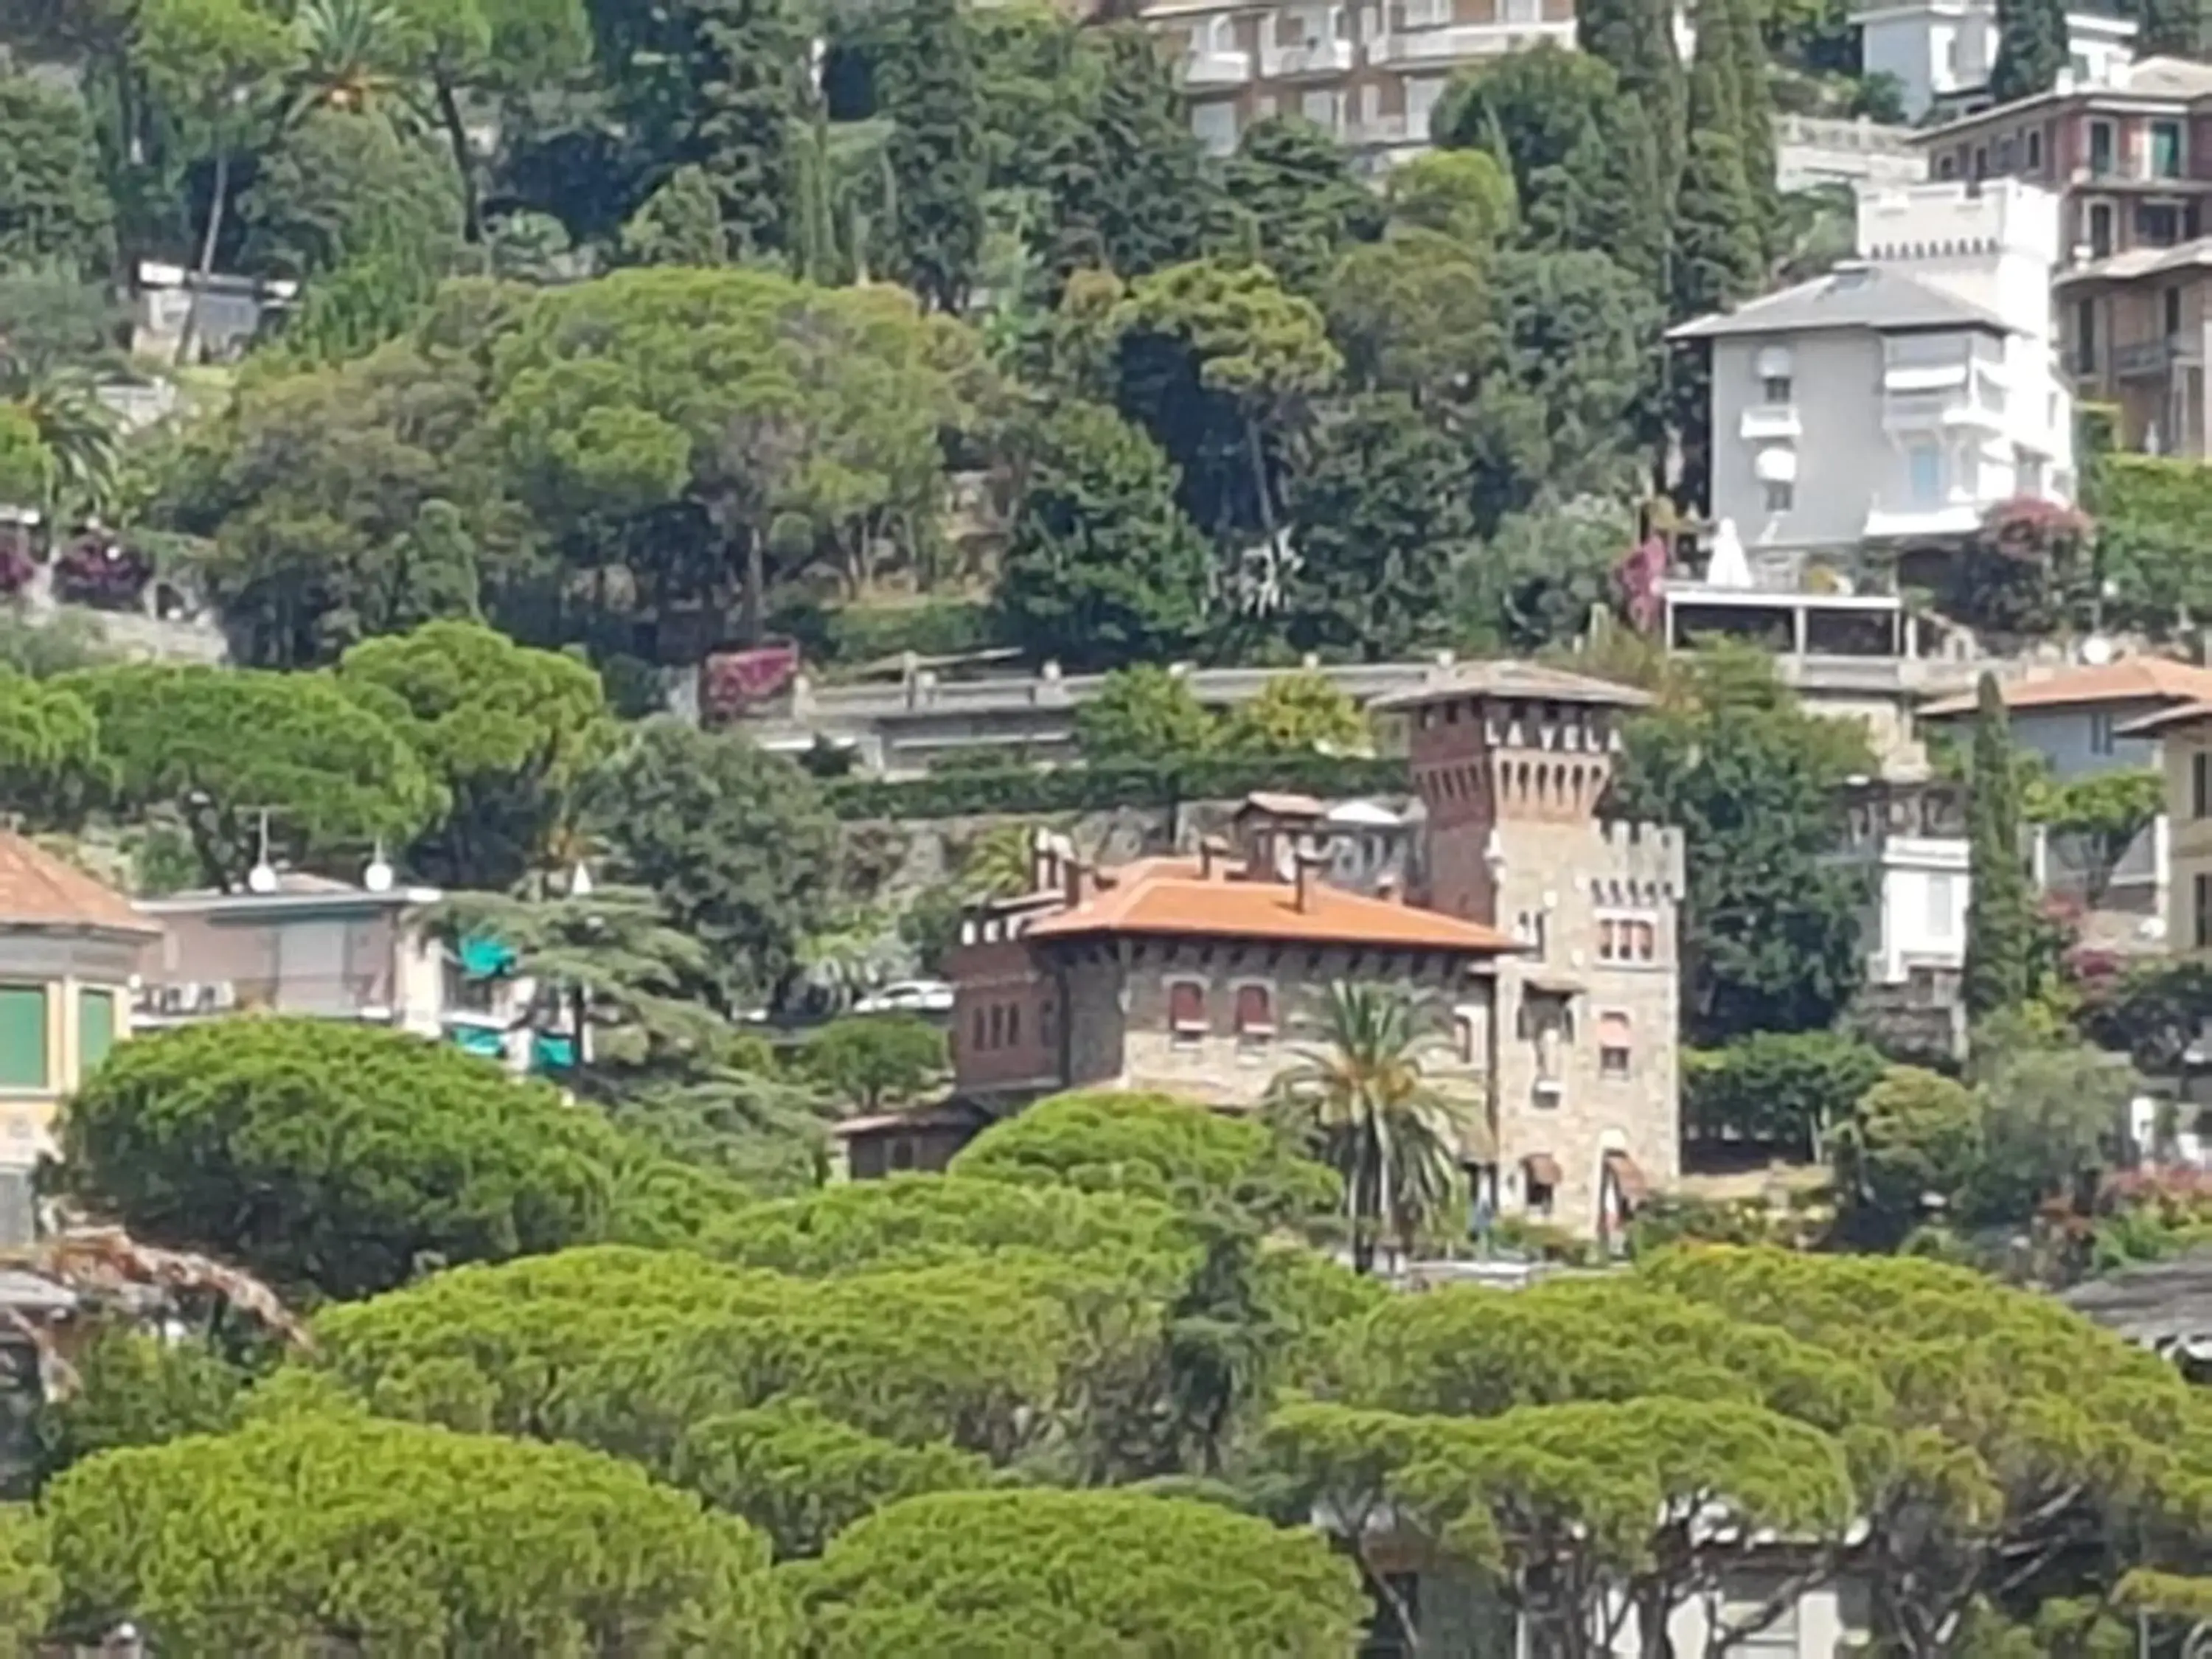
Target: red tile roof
{"x": 1168, "y": 896}
{"x": 38, "y": 889}
{"x": 2131, "y": 679}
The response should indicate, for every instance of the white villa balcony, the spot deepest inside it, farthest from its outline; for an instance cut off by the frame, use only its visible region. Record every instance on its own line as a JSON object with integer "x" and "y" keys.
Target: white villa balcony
{"x": 1308, "y": 57}
{"x": 1216, "y": 69}
{"x": 1457, "y": 42}
{"x": 1982, "y": 408}
{"x": 1770, "y": 423}
{"x": 1957, "y": 514}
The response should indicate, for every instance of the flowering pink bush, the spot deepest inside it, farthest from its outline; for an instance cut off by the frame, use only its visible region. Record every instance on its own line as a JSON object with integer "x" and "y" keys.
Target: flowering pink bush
{"x": 95, "y": 571}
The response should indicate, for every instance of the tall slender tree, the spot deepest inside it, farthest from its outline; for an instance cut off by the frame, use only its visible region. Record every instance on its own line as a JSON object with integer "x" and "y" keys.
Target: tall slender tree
{"x": 2000, "y": 926}
{"x": 926, "y": 84}
{"x": 1755, "y": 114}
{"x": 745, "y": 86}
{"x": 1718, "y": 246}
{"x": 2171, "y": 28}
{"x": 2031, "y": 48}
{"x": 1636, "y": 37}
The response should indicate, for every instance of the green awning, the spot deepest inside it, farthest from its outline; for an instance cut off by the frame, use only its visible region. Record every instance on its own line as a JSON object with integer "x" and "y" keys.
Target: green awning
{"x": 485, "y": 958}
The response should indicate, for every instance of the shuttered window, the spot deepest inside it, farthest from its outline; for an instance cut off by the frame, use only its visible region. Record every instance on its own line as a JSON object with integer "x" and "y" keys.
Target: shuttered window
{"x": 96, "y": 1027}
{"x": 23, "y": 1036}
{"x": 1187, "y": 1011}
{"x": 1255, "y": 1009}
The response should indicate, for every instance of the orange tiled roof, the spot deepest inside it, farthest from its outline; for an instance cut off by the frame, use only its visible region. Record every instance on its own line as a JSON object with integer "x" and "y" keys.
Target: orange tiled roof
{"x": 1168, "y": 896}
{"x": 37, "y": 890}
{"x": 2131, "y": 679}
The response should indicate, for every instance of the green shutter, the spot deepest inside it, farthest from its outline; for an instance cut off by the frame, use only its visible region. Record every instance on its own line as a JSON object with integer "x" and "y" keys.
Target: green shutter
{"x": 95, "y": 1028}
{"x": 23, "y": 1036}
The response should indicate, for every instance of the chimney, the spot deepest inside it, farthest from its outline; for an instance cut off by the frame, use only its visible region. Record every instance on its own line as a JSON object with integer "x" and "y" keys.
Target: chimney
{"x": 1386, "y": 887}
{"x": 1075, "y": 880}
{"x": 1309, "y": 876}
{"x": 1211, "y": 851}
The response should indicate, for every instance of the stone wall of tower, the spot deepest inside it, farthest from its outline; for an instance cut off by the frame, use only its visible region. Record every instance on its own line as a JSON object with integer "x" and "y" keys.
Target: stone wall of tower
{"x": 1587, "y": 1062}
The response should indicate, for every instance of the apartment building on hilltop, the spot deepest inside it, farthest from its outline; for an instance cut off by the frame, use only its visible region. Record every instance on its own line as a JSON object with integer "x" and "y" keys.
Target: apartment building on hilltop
{"x": 2129, "y": 156}
{"x": 1370, "y": 71}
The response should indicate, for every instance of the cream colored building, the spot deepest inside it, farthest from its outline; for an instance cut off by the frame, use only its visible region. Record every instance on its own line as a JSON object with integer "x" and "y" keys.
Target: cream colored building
{"x": 69, "y": 948}
{"x": 1539, "y": 943}
{"x": 2184, "y": 734}
{"x": 2139, "y": 323}
{"x": 1513, "y": 762}
{"x": 1371, "y": 73}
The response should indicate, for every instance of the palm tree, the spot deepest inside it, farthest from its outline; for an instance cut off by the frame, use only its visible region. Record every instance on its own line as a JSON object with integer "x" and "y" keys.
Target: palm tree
{"x": 1365, "y": 1106}
{"x": 356, "y": 58}
{"x": 81, "y": 435}
{"x": 1002, "y": 864}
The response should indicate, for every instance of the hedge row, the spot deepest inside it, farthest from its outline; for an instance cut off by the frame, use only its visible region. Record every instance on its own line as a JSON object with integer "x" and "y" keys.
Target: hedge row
{"x": 1027, "y": 790}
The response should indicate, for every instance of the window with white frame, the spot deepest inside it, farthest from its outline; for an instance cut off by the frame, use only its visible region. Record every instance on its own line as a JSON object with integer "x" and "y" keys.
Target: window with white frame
{"x": 1615, "y": 1044}
{"x": 2102, "y": 740}
{"x": 1942, "y": 905}
{"x": 1923, "y": 471}
{"x": 1214, "y": 125}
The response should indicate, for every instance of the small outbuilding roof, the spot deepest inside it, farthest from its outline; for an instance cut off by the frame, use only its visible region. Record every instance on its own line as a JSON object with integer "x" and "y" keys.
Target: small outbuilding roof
{"x": 38, "y": 889}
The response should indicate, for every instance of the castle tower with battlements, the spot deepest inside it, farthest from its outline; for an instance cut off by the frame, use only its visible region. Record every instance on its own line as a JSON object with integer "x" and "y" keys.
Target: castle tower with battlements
{"x": 1513, "y": 762}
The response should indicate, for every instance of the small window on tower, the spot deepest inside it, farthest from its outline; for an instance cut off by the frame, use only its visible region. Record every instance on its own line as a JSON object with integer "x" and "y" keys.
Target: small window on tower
{"x": 1614, "y": 1046}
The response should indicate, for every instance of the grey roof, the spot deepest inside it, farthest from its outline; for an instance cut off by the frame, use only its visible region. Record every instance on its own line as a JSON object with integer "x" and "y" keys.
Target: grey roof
{"x": 1527, "y": 681}
{"x": 2138, "y": 261}
{"x": 1861, "y": 296}
{"x": 2156, "y": 1303}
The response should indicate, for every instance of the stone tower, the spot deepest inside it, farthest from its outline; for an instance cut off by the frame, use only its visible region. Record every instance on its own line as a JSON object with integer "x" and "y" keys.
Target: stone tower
{"x": 1512, "y": 762}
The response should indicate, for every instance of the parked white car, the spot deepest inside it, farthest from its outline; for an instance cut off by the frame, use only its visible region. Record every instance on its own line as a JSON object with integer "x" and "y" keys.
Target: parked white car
{"x": 908, "y": 996}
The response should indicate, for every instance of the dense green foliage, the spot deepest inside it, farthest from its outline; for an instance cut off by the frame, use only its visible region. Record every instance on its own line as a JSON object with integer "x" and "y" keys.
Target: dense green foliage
{"x": 346, "y": 1161}
{"x": 1771, "y": 939}
{"x": 1999, "y": 918}
{"x": 283, "y": 1533}
{"x": 1003, "y": 1574}
{"x": 1783, "y": 1089}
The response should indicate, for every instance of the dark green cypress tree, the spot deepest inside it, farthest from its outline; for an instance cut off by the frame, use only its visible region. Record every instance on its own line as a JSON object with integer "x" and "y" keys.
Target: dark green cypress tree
{"x": 744, "y": 85}
{"x": 2031, "y": 48}
{"x": 1755, "y": 116}
{"x": 1718, "y": 244}
{"x": 2000, "y": 920}
{"x": 1130, "y": 187}
{"x": 927, "y": 83}
{"x": 1637, "y": 37}
{"x": 2171, "y": 28}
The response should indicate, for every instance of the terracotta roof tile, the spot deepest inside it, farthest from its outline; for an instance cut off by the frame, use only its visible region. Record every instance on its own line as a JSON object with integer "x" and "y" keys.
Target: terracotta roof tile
{"x": 2131, "y": 679}
{"x": 1167, "y": 895}
{"x": 38, "y": 889}
{"x": 2150, "y": 726}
